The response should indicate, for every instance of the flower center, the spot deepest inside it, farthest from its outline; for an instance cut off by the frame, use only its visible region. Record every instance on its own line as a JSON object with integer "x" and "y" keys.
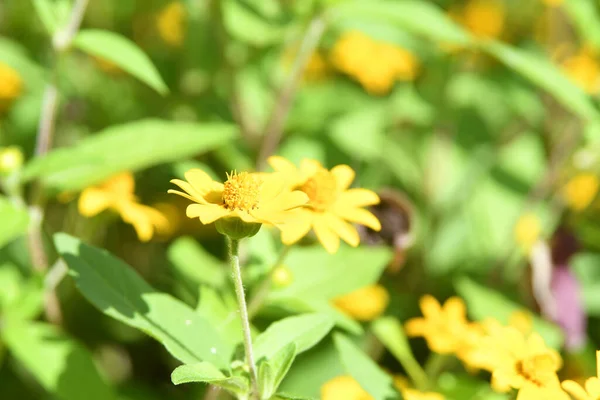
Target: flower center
{"x": 321, "y": 189}
{"x": 241, "y": 191}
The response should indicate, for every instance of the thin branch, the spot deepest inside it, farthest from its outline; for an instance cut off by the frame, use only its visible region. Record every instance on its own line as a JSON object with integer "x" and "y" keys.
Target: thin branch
{"x": 275, "y": 125}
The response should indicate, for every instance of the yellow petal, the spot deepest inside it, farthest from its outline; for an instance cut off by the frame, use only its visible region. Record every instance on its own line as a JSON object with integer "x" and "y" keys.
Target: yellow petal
{"x": 135, "y": 215}
{"x": 122, "y": 184}
{"x": 93, "y": 201}
{"x": 358, "y": 198}
{"x": 575, "y": 390}
{"x": 455, "y": 309}
{"x": 358, "y": 215}
{"x": 592, "y": 385}
{"x": 308, "y": 168}
{"x": 281, "y": 164}
{"x": 344, "y": 175}
{"x": 343, "y": 229}
{"x": 272, "y": 186}
{"x": 430, "y": 307}
{"x": 326, "y": 236}
{"x": 193, "y": 194}
{"x": 199, "y": 179}
{"x": 296, "y": 226}
{"x": 207, "y": 213}
{"x": 416, "y": 327}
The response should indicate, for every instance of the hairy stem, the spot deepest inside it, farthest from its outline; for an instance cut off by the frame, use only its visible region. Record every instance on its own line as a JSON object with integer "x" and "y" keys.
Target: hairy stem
{"x": 234, "y": 260}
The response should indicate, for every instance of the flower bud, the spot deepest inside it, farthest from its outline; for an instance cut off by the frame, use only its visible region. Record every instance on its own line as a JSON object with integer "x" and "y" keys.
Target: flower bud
{"x": 11, "y": 159}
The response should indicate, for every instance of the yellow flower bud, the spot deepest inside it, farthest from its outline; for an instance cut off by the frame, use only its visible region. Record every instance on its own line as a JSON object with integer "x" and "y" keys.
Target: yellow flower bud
{"x": 11, "y": 158}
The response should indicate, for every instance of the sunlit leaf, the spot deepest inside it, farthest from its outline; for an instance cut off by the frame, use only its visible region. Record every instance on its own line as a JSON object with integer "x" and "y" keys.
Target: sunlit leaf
{"x": 123, "y": 52}
{"x": 116, "y": 290}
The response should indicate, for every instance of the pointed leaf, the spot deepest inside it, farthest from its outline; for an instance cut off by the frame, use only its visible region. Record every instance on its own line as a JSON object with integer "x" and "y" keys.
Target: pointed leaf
{"x": 364, "y": 370}
{"x": 122, "y": 52}
{"x": 303, "y": 330}
{"x": 116, "y": 290}
{"x": 272, "y": 372}
{"x": 128, "y": 147}
{"x": 14, "y": 221}
{"x": 207, "y": 373}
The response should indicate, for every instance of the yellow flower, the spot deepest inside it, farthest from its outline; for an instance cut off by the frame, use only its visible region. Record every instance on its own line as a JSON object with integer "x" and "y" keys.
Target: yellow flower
{"x": 11, "y": 86}
{"x": 343, "y": 388}
{"x": 592, "y": 385}
{"x": 584, "y": 70}
{"x": 246, "y": 198}
{"x": 330, "y": 204}
{"x": 364, "y": 304}
{"x": 580, "y": 191}
{"x": 443, "y": 327}
{"x": 171, "y": 23}
{"x": 118, "y": 194}
{"x": 376, "y": 65}
{"x": 527, "y": 231}
{"x": 483, "y": 18}
{"x": 408, "y": 393}
{"x": 521, "y": 362}
{"x": 11, "y": 158}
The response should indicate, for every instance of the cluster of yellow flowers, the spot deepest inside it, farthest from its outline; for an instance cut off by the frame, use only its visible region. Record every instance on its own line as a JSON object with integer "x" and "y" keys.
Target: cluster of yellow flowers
{"x": 346, "y": 388}
{"x": 11, "y": 86}
{"x": 483, "y": 18}
{"x": 295, "y": 200}
{"x": 118, "y": 195}
{"x": 580, "y": 191}
{"x": 516, "y": 357}
{"x": 376, "y": 65}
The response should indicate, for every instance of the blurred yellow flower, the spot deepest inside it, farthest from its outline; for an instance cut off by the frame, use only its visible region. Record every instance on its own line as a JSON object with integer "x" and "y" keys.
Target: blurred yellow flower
{"x": 376, "y": 65}
{"x": 592, "y": 385}
{"x": 330, "y": 204}
{"x": 171, "y": 23}
{"x": 250, "y": 198}
{"x": 364, "y": 304}
{"x": 443, "y": 327}
{"x": 483, "y": 18}
{"x": 408, "y": 393}
{"x": 583, "y": 69}
{"x": 580, "y": 190}
{"x": 343, "y": 388}
{"x": 11, "y": 86}
{"x": 282, "y": 276}
{"x": 522, "y": 321}
{"x": 11, "y": 159}
{"x": 522, "y": 362}
{"x": 527, "y": 231}
{"x": 118, "y": 194}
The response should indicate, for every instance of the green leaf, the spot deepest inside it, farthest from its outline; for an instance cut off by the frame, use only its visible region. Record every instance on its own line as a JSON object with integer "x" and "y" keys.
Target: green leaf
{"x": 390, "y": 333}
{"x": 370, "y": 122}
{"x": 272, "y": 372}
{"x": 52, "y": 14}
{"x": 545, "y": 75}
{"x": 585, "y": 17}
{"x": 122, "y": 52}
{"x": 128, "y": 147}
{"x": 249, "y": 27}
{"x": 195, "y": 264}
{"x": 304, "y": 330}
{"x": 223, "y": 318}
{"x": 14, "y": 221}
{"x": 420, "y": 18}
{"x": 116, "y": 290}
{"x": 62, "y": 366}
{"x": 285, "y": 396}
{"x": 16, "y": 56}
{"x": 483, "y": 303}
{"x": 207, "y": 373}
{"x": 319, "y": 275}
{"x": 21, "y": 298}
{"x": 586, "y": 267}
{"x": 364, "y": 370}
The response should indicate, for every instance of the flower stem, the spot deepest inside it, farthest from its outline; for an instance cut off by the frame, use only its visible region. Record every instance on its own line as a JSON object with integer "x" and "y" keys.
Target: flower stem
{"x": 234, "y": 259}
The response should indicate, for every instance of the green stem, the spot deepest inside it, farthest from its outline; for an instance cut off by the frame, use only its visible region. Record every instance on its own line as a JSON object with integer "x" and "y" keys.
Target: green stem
{"x": 265, "y": 286}
{"x": 435, "y": 365}
{"x": 234, "y": 260}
